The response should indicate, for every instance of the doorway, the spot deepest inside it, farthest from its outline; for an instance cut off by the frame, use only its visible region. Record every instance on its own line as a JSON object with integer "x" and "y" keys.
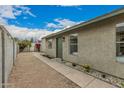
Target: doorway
{"x": 59, "y": 47}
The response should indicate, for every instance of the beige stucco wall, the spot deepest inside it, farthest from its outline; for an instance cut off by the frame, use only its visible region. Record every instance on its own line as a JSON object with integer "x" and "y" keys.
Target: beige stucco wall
{"x": 43, "y": 45}
{"x": 52, "y": 51}
{"x": 66, "y": 52}
{"x": 96, "y": 46}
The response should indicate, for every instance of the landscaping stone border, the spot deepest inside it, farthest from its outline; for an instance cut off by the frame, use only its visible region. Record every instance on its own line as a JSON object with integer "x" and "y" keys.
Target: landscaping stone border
{"x": 116, "y": 81}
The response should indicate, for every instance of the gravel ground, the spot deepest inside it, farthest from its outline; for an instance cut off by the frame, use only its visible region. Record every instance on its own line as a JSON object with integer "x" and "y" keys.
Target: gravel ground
{"x": 30, "y": 72}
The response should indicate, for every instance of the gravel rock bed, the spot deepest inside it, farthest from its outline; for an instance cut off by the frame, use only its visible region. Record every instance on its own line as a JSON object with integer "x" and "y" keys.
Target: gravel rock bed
{"x": 100, "y": 75}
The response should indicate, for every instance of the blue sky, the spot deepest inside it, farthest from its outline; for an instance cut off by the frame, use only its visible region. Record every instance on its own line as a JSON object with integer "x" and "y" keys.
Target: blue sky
{"x": 46, "y": 14}
{"x": 39, "y": 20}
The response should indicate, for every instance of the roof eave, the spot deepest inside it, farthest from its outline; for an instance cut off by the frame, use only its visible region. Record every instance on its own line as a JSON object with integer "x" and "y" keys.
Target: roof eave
{"x": 97, "y": 19}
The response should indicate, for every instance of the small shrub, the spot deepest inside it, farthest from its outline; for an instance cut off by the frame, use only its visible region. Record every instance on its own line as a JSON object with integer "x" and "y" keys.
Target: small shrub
{"x": 86, "y": 67}
{"x": 122, "y": 84}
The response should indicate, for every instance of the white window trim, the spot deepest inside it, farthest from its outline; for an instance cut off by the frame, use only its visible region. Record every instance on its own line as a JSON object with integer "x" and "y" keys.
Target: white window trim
{"x": 119, "y": 59}
{"x": 50, "y": 40}
{"x": 74, "y": 53}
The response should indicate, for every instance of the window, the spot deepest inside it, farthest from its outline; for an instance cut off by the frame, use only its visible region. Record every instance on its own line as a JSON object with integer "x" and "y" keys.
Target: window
{"x": 50, "y": 44}
{"x": 120, "y": 39}
{"x": 73, "y": 44}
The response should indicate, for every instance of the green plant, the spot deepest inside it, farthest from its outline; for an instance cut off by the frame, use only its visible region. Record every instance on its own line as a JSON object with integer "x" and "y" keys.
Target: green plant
{"x": 24, "y": 43}
{"x": 86, "y": 67}
{"x": 122, "y": 84}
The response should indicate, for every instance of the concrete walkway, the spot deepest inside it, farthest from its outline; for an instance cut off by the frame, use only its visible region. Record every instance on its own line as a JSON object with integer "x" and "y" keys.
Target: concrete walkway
{"x": 30, "y": 72}
{"x": 80, "y": 78}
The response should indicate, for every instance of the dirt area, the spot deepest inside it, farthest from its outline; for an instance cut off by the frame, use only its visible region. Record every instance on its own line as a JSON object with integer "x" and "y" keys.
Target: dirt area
{"x": 30, "y": 72}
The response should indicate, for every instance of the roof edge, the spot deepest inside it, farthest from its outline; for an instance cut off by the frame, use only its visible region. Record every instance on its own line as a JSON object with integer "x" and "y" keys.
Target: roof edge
{"x": 4, "y": 29}
{"x": 97, "y": 19}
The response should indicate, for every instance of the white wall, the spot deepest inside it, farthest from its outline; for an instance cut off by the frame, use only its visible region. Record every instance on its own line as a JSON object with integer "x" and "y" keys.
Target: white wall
{"x": 0, "y": 59}
{"x": 32, "y": 48}
{"x": 10, "y": 54}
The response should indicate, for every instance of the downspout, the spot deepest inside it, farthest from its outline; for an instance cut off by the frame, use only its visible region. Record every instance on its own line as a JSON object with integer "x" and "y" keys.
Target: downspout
{"x": 3, "y": 58}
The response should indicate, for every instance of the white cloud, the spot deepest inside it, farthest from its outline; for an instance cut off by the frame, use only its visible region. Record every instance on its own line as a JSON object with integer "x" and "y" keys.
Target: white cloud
{"x": 25, "y": 10}
{"x": 3, "y": 21}
{"x": 66, "y": 22}
{"x": 7, "y": 12}
{"x": 52, "y": 25}
{"x": 69, "y": 5}
{"x": 10, "y": 12}
{"x": 26, "y": 33}
{"x": 57, "y": 30}
{"x": 61, "y": 23}
{"x": 24, "y": 17}
{"x": 74, "y": 6}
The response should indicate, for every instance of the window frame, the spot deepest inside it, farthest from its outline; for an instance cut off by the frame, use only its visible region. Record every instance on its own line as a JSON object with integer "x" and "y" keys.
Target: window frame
{"x": 48, "y": 42}
{"x": 73, "y": 53}
{"x": 119, "y": 40}
{"x": 118, "y": 43}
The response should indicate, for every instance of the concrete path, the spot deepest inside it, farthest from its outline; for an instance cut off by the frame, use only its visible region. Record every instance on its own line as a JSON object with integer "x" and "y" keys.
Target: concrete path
{"x": 80, "y": 78}
{"x": 30, "y": 72}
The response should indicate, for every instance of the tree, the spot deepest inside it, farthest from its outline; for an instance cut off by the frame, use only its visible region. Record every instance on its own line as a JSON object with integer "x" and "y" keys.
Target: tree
{"x": 24, "y": 43}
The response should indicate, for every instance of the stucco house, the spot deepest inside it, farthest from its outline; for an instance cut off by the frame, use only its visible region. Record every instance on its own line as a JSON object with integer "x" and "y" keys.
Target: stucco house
{"x": 98, "y": 42}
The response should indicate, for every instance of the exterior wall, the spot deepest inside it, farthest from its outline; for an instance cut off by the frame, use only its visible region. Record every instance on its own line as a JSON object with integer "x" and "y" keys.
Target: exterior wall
{"x": 16, "y": 50}
{"x": 8, "y": 55}
{"x": 96, "y": 46}
{"x": 10, "y": 51}
{"x": 32, "y": 48}
{"x": 43, "y": 45}
{"x": 52, "y": 51}
{"x": 0, "y": 59}
{"x": 66, "y": 52}
{"x": 26, "y": 49}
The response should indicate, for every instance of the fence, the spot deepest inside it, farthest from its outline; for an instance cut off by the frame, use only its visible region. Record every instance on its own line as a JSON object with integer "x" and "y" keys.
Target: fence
{"x": 30, "y": 49}
{"x": 8, "y": 52}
